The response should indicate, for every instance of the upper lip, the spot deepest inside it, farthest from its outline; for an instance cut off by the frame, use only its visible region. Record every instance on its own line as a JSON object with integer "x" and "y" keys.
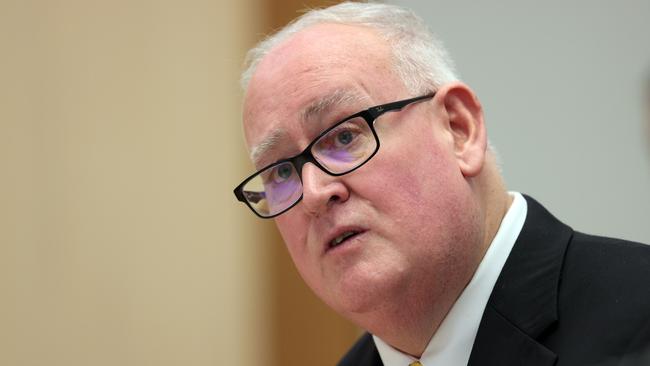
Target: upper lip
{"x": 338, "y": 231}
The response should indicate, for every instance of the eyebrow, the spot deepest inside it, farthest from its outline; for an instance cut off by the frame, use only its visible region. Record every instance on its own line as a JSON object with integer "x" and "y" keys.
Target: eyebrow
{"x": 326, "y": 103}
{"x": 268, "y": 144}
{"x": 312, "y": 111}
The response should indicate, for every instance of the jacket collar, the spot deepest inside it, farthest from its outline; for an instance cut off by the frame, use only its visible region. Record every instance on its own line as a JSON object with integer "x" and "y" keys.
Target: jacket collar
{"x": 523, "y": 303}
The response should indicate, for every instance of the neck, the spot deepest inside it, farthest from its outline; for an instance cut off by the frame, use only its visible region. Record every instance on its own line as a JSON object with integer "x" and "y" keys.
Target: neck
{"x": 495, "y": 202}
{"x": 410, "y": 327}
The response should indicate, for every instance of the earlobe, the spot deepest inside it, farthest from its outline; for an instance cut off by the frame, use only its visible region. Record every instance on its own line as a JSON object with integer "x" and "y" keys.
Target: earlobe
{"x": 466, "y": 127}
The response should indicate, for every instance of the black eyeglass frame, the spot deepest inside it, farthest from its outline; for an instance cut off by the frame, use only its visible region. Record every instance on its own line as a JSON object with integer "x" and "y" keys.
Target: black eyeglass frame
{"x": 369, "y": 115}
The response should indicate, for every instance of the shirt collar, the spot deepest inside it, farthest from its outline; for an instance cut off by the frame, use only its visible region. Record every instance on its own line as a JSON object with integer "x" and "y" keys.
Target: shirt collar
{"x": 452, "y": 343}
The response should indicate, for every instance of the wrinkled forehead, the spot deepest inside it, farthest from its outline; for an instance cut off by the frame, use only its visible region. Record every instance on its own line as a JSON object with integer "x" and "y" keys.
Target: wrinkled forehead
{"x": 352, "y": 63}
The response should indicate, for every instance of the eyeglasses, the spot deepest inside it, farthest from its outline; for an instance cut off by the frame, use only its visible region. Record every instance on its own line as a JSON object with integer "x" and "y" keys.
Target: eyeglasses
{"x": 338, "y": 150}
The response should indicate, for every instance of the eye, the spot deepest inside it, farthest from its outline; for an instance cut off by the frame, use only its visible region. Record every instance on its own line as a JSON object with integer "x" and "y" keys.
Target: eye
{"x": 345, "y": 142}
{"x": 345, "y": 146}
{"x": 282, "y": 173}
{"x": 344, "y": 137}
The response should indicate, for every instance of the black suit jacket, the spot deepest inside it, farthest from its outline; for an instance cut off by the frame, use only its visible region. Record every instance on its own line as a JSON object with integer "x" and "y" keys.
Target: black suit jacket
{"x": 563, "y": 298}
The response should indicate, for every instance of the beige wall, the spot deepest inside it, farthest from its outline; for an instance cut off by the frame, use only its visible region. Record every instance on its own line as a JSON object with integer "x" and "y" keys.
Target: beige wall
{"x": 120, "y": 241}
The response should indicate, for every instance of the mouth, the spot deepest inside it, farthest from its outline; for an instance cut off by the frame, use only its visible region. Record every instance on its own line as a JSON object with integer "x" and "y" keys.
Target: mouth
{"x": 342, "y": 238}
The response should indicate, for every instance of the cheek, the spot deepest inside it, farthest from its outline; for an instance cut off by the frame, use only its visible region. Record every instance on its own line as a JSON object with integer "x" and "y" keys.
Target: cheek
{"x": 413, "y": 173}
{"x": 294, "y": 234}
{"x": 293, "y": 229}
{"x": 418, "y": 185}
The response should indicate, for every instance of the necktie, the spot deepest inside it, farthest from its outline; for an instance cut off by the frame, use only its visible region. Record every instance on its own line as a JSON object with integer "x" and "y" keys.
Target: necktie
{"x": 416, "y": 363}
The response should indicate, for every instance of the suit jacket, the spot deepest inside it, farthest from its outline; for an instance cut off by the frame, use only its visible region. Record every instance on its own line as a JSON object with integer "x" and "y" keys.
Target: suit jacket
{"x": 563, "y": 298}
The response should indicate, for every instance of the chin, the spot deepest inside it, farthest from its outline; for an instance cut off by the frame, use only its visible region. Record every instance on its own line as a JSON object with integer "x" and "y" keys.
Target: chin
{"x": 361, "y": 292}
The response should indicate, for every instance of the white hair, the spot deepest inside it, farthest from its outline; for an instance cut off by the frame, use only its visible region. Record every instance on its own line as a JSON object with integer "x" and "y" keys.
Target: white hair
{"x": 419, "y": 59}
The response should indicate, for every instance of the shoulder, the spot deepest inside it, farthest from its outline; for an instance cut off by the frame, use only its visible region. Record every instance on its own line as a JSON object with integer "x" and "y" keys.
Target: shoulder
{"x": 606, "y": 269}
{"x": 596, "y": 291}
{"x": 585, "y": 264}
{"x": 363, "y": 353}
{"x": 604, "y": 297}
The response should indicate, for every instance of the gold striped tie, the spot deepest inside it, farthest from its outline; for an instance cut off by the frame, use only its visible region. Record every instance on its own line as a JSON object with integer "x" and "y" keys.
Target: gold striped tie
{"x": 416, "y": 363}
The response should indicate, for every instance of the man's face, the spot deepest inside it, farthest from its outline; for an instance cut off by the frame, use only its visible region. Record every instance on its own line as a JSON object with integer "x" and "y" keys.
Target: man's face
{"x": 414, "y": 220}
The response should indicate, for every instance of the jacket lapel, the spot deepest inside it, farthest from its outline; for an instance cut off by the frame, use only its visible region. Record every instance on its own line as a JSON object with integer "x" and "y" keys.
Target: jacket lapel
{"x": 500, "y": 343}
{"x": 523, "y": 303}
{"x": 363, "y": 353}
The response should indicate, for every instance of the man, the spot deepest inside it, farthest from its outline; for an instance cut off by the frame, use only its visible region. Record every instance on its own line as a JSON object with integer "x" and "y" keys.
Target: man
{"x": 373, "y": 159}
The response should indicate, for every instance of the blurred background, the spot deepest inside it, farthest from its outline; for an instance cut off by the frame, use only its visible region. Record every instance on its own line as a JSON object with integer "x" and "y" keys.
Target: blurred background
{"x": 120, "y": 143}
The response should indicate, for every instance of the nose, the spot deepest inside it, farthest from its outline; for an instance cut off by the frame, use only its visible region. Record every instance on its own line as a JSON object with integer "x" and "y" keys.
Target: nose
{"x": 321, "y": 190}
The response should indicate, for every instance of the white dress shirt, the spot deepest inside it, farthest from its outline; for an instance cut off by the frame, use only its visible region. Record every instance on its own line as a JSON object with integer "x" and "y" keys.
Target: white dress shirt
{"x": 452, "y": 343}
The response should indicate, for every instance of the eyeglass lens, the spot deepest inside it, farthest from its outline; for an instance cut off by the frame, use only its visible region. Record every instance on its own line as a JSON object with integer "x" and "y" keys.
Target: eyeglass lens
{"x": 340, "y": 150}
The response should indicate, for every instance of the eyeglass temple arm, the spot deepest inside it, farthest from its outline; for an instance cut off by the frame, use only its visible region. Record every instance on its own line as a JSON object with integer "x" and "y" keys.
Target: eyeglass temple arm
{"x": 397, "y": 106}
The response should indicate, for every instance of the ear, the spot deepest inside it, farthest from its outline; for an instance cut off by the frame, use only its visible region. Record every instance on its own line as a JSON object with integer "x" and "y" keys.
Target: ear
{"x": 465, "y": 116}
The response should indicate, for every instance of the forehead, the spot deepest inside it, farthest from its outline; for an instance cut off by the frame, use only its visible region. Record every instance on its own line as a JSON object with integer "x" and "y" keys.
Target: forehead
{"x": 321, "y": 62}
